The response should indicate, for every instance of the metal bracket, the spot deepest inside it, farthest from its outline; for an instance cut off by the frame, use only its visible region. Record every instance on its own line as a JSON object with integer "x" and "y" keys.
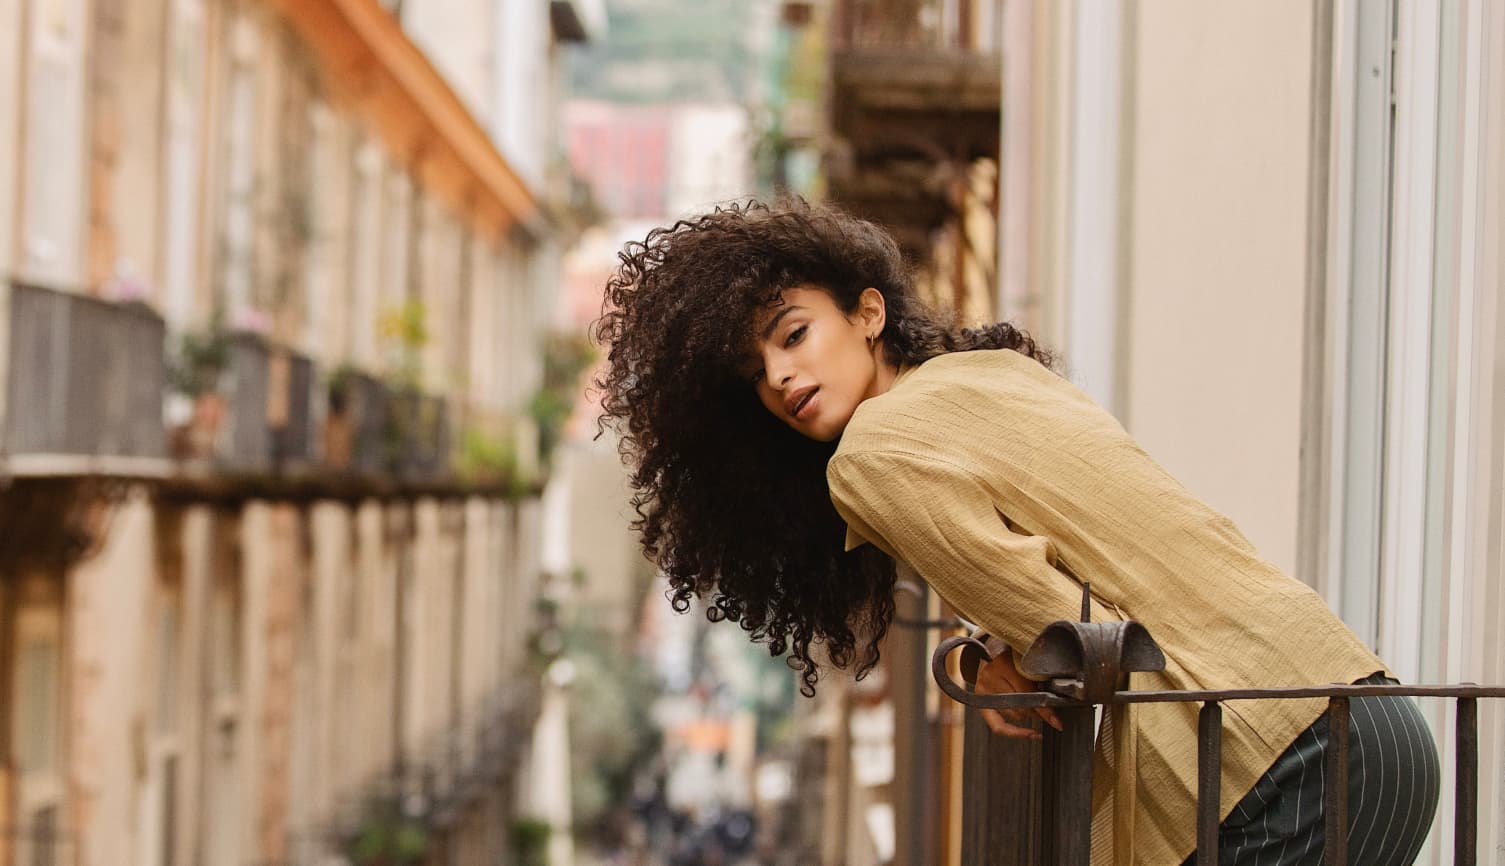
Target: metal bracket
{"x": 1080, "y": 661}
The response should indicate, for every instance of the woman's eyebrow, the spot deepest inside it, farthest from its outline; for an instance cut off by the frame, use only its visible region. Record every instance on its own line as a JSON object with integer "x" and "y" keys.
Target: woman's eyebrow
{"x": 774, "y": 322}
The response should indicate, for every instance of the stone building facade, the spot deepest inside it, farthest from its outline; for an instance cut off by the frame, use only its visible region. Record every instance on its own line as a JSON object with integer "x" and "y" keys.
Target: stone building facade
{"x": 273, "y": 294}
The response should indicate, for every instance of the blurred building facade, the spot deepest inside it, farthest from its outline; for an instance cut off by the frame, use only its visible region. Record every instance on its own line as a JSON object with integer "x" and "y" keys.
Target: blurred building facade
{"x": 273, "y": 283}
{"x": 1267, "y": 237}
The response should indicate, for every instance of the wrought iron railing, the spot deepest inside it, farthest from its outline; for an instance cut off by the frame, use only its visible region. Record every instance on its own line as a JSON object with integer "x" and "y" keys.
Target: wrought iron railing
{"x": 420, "y": 423}
{"x": 1023, "y": 805}
{"x": 436, "y": 783}
{"x": 384, "y": 431}
{"x": 85, "y": 376}
{"x": 916, "y": 26}
{"x": 269, "y": 393}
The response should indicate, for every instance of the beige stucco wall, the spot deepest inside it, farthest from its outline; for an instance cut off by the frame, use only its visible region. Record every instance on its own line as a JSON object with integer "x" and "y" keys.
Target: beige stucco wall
{"x": 134, "y": 198}
{"x": 108, "y": 599}
{"x": 1218, "y": 116}
{"x": 603, "y": 548}
{"x": 480, "y": 615}
{"x": 457, "y": 35}
{"x": 10, "y": 117}
{"x": 305, "y": 740}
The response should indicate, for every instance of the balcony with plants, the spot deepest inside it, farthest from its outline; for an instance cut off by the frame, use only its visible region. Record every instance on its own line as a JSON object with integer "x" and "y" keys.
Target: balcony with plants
{"x": 83, "y": 385}
{"x": 252, "y": 412}
{"x": 915, "y": 88}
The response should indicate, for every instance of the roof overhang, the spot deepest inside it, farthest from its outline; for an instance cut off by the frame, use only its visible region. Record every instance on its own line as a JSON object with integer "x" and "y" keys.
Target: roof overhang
{"x": 374, "y": 66}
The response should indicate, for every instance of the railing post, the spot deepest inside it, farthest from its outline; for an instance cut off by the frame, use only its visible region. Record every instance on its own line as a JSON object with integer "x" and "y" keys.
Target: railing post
{"x": 1084, "y": 665}
{"x": 1068, "y": 794}
{"x": 1335, "y": 801}
{"x": 1001, "y": 797}
{"x": 1466, "y": 796}
{"x": 1209, "y": 781}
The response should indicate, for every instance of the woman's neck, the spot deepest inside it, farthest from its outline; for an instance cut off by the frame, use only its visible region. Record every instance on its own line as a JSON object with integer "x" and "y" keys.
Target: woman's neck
{"x": 883, "y": 378}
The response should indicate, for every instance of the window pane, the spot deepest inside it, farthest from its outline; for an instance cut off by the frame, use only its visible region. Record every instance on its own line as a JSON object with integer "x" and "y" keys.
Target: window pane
{"x": 167, "y": 666}
{"x": 37, "y": 698}
{"x": 169, "y": 810}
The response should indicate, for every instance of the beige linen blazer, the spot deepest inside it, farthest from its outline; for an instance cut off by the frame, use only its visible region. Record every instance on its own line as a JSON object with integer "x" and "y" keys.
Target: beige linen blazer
{"x": 1004, "y": 486}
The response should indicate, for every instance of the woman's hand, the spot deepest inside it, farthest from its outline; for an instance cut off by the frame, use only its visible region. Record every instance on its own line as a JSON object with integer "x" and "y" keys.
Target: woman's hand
{"x": 1001, "y": 676}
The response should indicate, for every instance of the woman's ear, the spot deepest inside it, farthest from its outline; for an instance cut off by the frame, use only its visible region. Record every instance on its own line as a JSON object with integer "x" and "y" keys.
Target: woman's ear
{"x": 872, "y": 311}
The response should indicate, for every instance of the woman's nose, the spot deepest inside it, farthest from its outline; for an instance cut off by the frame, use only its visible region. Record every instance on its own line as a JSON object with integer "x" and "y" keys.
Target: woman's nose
{"x": 778, "y": 370}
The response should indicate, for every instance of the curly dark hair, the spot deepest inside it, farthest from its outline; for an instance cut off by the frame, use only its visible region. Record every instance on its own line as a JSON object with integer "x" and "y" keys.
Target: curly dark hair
{"x": 732, "y": 504}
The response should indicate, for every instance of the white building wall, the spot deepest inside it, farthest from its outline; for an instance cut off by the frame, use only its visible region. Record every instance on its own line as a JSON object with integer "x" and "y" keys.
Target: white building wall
{"x": 1095, "y": 287}
{"x": 135, "y": 199}
{"x": 525, "y": 90}
{"x": 1217, "y": 255}
{"x": 55, "y": 133}
{"x": 184, "y": 159}
{"x": 10, "y": 118}
{"x": 479, "y": 615}
{"x": 108, "y": 601}
{"x": 709, "y": 147}
{"x": 1153, "y": 232}
{"x": 455, "y": 36}
{"x": 593, "y": 487}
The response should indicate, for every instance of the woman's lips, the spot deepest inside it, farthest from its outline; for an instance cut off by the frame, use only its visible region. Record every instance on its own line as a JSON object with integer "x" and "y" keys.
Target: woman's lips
{"x": 804, "y": 409}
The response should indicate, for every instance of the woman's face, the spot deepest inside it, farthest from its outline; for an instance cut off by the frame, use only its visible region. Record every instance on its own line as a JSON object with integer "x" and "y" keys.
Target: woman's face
{"x": 811, "y": 364}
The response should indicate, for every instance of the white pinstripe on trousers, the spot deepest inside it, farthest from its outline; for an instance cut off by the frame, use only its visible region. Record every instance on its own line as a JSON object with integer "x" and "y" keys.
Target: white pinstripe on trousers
{"x": 1393, "y": 786}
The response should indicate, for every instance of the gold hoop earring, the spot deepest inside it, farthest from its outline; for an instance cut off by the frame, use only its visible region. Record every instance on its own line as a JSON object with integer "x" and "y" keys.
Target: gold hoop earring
{"x": 872, "y": 339}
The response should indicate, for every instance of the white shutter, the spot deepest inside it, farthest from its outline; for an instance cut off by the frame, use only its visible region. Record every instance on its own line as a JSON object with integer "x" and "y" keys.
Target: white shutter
{"x": 53, "y": 160}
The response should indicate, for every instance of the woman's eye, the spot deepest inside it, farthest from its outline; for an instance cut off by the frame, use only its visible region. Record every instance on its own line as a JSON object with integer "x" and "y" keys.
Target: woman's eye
{"x": 795, "y": 335}
{"x": 756, "y": 377}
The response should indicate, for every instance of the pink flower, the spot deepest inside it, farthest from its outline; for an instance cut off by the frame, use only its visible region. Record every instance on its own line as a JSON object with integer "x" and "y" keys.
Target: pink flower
{"x": 252, "y": 320}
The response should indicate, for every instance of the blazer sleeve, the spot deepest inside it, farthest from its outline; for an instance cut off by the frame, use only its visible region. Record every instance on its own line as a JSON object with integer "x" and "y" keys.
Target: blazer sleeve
{"x": 944, "y": 522}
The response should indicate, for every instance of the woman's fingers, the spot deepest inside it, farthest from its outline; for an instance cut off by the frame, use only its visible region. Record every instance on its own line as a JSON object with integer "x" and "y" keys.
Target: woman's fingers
{"x": 1000, "y": 675}
{"x": 1003, "y": 727}
{"x": 1050, "y": 717}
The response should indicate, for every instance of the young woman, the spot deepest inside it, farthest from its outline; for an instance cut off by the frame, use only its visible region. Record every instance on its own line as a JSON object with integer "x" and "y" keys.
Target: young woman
{"x": 797, "y": 421}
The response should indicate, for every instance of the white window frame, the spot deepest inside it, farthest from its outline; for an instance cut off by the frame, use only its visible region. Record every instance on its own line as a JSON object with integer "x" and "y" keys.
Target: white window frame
{"x": 1354, "y": 336}
{"x": 164, "y": 744}
{"x": 236, "y": 251}
{"x": 54, "y": 136}
{"x": 12, "y": 25}
{"x": 39, "y": 618}
{"x": 1095, "y": 309}
{"x": 222, "y": 829}
{"x": 185, "y": 80}
{"x": 1415, "y": 519}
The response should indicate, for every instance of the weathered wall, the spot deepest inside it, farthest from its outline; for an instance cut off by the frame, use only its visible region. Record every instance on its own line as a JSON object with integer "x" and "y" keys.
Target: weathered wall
{"x": 108, "y": 703}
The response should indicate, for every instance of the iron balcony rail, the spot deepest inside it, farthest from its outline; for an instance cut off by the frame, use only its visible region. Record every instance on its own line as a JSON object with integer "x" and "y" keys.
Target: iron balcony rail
{"x": 1084, "y": 665}
{"x": 85, "y": 376}
{"x": 452, "y": 769}
{"x": 914, "y": 26}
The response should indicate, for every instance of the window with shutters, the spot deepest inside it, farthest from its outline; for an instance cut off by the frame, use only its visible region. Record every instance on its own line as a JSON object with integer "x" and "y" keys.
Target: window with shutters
{"x": 37, "y": 722}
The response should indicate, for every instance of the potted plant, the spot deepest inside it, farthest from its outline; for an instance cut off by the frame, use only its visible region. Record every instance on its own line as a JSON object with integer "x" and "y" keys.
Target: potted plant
{"x": 194, "y": 370}
{"x": 385, "y": 836}
{"x": 486, "y": 458}
{"x": 565, "y": 357}
{"x": 530, "y": 841}
{"x": 339, "y": 420}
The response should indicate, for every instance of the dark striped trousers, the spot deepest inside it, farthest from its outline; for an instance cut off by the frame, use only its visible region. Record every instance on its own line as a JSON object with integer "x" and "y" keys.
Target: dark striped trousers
{"x": 1393, "y": 783}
